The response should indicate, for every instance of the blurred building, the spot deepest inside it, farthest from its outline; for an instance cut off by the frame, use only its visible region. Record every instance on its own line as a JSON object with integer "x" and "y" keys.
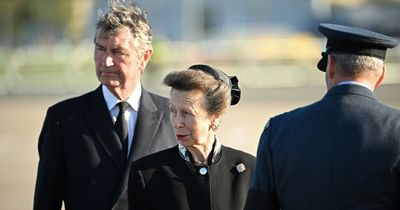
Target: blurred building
{"x": 46, "y": 46}
{"x": 227, "y": 19}
{"x": 49, "y": 21}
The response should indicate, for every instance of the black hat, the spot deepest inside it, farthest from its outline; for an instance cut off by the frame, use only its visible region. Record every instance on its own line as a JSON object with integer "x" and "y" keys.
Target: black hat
{"x": 353, "y": 40}
{"x": 232, "y": 81}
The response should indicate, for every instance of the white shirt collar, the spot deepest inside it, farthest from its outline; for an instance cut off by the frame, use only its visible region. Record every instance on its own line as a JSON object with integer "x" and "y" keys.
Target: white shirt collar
{"x": 354, "y": 83}
{"x": 133, "y": 100}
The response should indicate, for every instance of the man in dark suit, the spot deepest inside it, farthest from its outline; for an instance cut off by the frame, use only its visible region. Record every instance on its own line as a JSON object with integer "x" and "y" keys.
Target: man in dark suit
{"x": 343, "y": 151}
{"x": 84, "y": 158}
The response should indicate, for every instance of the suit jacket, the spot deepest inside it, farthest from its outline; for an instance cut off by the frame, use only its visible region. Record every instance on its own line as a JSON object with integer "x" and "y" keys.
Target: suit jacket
{"x": 341, "y": 152}
{"x": 81, "y": 158}
{"x": 166, "y": 181}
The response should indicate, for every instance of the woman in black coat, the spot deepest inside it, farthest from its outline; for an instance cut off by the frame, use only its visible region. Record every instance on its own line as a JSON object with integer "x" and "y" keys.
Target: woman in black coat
{"x": 199, "y": 172}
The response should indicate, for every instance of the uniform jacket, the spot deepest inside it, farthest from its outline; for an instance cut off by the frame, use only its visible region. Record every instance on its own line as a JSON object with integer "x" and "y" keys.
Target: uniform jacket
{"x": 81, "y": 159}
{"x": 339, "y": 153}
{"x": 166, "y": 181}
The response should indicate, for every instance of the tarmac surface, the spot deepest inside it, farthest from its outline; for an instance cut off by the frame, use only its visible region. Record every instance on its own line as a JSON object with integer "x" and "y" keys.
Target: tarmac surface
{"x": 22, "y": 118}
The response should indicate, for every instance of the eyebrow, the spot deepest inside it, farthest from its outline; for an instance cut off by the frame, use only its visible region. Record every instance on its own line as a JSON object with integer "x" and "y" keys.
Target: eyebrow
{"x": 97, "y": 44}
{"x": 122, "y": 49}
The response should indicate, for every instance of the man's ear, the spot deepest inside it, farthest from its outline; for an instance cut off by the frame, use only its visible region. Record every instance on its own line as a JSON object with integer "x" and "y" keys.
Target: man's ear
{"x": 145, "y": 59}
{"x": 331, "y": 66}
{"x": 381, "y": 77}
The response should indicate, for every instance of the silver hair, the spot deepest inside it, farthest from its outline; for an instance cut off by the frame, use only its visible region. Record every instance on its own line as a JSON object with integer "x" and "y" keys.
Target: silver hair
{"x": 123, "y": 14}
{"x": 350, "y": 64}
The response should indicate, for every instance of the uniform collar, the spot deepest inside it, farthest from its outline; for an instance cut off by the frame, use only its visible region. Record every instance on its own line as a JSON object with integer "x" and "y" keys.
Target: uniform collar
{"x": 354, "y": 83}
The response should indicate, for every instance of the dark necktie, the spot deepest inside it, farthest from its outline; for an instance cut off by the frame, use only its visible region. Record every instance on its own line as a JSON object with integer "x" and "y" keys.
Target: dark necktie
{"x": 121, "y": 126}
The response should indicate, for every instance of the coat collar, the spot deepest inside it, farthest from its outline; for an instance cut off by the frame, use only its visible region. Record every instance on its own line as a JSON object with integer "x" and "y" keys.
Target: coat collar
{"x": 147, "y": 124}
{"x": 101, "y": 123}
{"x": 148, "y": 121}
{"x": 351, "y": 89}
{"x": 213, "y": 157}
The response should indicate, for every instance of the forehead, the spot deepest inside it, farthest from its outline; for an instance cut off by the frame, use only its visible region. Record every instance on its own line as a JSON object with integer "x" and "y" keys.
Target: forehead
{"x": 120, "y": 36}
{"x": 193, "y": 98}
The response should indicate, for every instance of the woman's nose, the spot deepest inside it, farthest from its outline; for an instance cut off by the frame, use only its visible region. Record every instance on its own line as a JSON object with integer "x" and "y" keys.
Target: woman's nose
{"x": 177, "y": 121}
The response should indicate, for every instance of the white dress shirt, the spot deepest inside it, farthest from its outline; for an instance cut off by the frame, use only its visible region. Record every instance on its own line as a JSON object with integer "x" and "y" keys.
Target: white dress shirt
{"x": 130, "y": 115}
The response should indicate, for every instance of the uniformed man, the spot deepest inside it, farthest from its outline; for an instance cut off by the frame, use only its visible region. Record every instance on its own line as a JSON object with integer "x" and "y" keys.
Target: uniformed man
{"x": 343, "y": 151}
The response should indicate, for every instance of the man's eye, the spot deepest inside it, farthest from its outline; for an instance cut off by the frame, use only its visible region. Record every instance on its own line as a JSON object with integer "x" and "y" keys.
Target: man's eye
{"x": 119, "y": 52}
{"x": 99, "y": 48}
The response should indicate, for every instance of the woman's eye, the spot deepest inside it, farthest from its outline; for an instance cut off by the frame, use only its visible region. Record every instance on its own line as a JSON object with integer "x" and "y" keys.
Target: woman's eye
{"x": 187, "y": 113}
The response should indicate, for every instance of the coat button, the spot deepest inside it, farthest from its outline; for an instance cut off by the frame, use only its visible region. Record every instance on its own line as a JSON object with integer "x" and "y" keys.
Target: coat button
{"x": 203, "y": 171}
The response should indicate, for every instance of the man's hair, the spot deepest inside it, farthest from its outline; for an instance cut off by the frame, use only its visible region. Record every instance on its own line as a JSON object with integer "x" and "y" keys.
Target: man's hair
{"x": 122, "y": 14}
{"x": 217, "y": 93}
{"x": 353, "y": 65}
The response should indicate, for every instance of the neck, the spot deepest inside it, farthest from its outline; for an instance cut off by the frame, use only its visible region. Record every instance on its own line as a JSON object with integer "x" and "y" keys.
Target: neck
{"x": 201, "y": 153}
{"x": 122, "y": 93}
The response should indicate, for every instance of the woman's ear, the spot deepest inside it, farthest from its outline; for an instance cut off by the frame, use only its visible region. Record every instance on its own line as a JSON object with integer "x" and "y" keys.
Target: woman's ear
{"x": 215, "y": 121}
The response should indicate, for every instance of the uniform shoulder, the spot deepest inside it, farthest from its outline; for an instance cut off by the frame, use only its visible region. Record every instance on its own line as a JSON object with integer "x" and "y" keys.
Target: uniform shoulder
{"x": 391, "y": 109}
{"x": 294, "y": 112}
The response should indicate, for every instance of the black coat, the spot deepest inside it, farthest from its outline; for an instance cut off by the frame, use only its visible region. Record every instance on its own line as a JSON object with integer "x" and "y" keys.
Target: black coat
{"x": 166, "y": 181}
{"x": 81, "y": 159}
{"x": 341, "y": 152}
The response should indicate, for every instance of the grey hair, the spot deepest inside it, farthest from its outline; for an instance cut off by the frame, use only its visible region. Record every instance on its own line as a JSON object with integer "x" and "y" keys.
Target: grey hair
{"x": 122, "y": 14}
{"x": 353, "y": 65}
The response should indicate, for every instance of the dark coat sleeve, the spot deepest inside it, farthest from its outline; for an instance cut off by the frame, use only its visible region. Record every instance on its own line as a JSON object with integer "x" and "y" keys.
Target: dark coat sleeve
{"x": 262, "y": 194}
{"x": 49, "y": 187}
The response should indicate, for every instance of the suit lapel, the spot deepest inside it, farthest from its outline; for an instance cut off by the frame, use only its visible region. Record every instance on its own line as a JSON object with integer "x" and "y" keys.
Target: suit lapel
{"x": 100, "y": 121}
{"x": 147, "y": 124}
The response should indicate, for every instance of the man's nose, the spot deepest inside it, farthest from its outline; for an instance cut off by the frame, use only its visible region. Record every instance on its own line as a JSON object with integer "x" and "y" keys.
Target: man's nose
{"x": 109, "y": 61}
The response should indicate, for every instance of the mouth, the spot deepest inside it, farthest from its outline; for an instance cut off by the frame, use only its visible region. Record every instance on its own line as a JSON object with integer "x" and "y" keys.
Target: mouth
{"x": 180, "y": 137}
{"x": 109, "y": 72}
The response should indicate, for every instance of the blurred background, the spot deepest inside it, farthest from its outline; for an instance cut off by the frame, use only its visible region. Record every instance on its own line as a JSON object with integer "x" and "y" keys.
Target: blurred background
{"x": 46, "y": 55}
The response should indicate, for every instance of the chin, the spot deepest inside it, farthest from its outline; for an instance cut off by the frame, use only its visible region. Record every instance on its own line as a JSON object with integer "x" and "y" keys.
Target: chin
{"x": 185, "y": 143}
{"x": 111, "y": 83}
